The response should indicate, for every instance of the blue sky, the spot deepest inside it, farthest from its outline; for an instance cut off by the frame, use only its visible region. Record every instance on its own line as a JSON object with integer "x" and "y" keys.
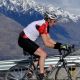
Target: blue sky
{"x": 73, "y": 6}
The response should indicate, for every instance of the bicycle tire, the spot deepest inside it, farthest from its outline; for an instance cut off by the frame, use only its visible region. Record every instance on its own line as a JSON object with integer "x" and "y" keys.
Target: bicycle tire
{"x": 51, "y": 74}
{"x": 75, "y": 71}
{"x": 16, "y": 73}
{"x": 63, "y": 73}
{"x": 20, "y": 72}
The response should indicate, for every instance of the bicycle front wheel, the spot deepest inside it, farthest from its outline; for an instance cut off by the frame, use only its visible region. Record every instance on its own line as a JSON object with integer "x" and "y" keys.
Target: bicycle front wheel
{"x": 63, "y": 73}
{"x": 75, "y": 71}
{"x": 71, "y": 71}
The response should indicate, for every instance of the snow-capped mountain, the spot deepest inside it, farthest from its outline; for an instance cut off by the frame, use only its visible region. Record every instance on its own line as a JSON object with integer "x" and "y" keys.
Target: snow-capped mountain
{"x": 22, "y": 6}
{"x": 25, "y": 11}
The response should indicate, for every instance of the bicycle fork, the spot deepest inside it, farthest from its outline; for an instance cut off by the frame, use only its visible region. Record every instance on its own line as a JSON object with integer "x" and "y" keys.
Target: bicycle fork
{"x": 67, "y": 69}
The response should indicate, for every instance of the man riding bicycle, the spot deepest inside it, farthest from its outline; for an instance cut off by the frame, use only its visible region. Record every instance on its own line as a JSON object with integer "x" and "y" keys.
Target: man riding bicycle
{"x": 31, "y": 33}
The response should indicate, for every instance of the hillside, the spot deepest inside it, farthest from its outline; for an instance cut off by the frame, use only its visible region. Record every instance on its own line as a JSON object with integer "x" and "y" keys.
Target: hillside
{"x": 23, "y": 12}
{"x": 9, "y": 31}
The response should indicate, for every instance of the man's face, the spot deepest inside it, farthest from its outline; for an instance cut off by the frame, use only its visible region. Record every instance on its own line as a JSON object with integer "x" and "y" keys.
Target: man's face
{"x": 52, "y": 22}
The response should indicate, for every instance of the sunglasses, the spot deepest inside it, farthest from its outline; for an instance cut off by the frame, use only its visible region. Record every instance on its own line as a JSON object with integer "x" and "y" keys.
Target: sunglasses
{"x": 55, "y": 21}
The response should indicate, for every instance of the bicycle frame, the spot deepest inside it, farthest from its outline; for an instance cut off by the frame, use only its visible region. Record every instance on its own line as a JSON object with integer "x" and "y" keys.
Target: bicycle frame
{"x": 31, "y": 63}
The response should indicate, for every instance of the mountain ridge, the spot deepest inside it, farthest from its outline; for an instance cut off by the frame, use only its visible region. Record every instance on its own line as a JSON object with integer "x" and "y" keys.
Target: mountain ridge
{"x": 22, "y": 6}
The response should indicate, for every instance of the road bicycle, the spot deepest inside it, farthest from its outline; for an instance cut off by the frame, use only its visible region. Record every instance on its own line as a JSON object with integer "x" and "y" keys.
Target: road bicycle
{"x": 29, "y": 69}
{"x": 64, "y": 70}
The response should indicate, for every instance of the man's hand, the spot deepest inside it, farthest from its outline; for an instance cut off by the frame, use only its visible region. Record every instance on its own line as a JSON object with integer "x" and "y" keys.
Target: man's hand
{"x": 64, "y": 46}
{"x": 67, "y": 47}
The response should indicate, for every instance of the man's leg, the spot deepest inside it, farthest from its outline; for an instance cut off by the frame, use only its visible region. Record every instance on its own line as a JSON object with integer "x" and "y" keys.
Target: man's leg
{"x": 40, "y": 52}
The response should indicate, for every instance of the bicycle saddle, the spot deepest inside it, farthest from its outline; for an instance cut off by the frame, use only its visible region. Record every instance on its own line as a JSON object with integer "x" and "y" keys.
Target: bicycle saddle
{"x": 35, "y": 57}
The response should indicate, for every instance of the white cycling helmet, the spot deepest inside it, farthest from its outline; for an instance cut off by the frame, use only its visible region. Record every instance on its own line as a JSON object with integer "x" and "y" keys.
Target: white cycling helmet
{"x": 50, "y": 16}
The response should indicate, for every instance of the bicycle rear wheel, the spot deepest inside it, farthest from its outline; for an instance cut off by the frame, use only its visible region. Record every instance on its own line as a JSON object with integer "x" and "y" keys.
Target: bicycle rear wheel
{"x": 16, "y": 72}
{"x": 21, "y": 72}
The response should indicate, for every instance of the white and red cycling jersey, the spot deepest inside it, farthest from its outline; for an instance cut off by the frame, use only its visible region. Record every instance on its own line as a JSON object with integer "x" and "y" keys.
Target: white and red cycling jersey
{"x": 34, "y": 29}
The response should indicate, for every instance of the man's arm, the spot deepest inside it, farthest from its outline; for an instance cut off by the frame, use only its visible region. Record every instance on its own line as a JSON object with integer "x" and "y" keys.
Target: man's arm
{"x": 48, "y": 41}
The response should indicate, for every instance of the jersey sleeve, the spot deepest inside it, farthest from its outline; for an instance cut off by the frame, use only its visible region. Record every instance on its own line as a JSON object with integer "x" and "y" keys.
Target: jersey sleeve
{"x": 43, "y": 29}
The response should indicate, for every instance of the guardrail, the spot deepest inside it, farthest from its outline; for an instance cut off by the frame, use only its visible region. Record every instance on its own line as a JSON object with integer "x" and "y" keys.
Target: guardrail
{"x": 6, "y": 64}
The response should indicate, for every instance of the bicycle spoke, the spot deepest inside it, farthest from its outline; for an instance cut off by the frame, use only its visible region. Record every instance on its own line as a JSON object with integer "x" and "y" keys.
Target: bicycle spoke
{"x": 16, "y": 73}
{"x": 11, "y": 77}
{"x": 71, "y": 71}
{"x": 62, "y": 74}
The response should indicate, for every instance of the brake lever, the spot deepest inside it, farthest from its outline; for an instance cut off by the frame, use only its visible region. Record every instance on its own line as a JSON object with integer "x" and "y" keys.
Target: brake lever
{"x": 66, "y": 52}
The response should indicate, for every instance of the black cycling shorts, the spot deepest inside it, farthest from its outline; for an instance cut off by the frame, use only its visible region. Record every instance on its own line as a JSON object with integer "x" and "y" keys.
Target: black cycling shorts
{"x": 27, "y": 45}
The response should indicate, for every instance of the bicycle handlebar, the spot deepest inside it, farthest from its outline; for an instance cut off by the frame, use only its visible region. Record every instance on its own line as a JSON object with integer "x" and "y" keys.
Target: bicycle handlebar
{"x": 66, "y": 52}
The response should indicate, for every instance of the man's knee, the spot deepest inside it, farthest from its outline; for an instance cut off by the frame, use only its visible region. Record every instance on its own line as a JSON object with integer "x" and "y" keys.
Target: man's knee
{"x": 41, "y": 52}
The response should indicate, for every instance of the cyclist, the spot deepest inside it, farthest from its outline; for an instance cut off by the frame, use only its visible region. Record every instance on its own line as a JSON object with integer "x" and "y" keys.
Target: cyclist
{"x": 30, "y": 34}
